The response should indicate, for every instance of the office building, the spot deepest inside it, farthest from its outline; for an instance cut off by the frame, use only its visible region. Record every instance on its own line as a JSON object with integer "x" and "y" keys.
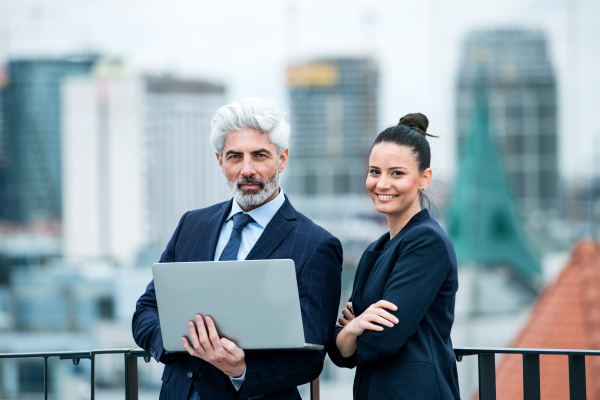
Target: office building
{"x": 31, "y": 119}
{"x": 334, "y": 106}
{"x": 515, "y": 69}
{"x": 137, "y": 157}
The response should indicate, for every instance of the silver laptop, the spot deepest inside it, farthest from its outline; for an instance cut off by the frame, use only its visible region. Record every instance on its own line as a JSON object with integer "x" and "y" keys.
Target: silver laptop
{"x": 254, "y": 303}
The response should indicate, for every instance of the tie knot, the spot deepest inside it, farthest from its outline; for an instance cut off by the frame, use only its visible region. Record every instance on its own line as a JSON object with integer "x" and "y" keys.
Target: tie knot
{"x": 240, "y": 220}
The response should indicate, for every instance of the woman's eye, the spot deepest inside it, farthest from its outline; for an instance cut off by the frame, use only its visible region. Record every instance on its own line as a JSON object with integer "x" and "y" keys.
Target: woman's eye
{"x": 374, "y": 172}
{"x": 397, "y": 173}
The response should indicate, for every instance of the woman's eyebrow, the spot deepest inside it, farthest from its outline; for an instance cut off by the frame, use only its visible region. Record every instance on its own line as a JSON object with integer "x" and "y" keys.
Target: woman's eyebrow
{"x": 399, "y": 168}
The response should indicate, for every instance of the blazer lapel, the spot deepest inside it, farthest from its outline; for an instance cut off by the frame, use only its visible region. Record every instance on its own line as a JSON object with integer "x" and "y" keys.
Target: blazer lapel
{"x": 211, "y": 235}
{"x": 364, "y": 269}
{"x": 278, "y": 228}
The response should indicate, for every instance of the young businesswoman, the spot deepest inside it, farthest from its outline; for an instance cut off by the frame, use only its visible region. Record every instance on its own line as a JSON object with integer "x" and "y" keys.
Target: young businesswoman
{"x": 396, "y": 329}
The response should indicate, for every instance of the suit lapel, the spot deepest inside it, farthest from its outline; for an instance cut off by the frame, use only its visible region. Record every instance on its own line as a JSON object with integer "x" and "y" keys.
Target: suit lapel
{"x": 278, "y": 228}
{"x": 211, "y": 236}
{"x": 364, "y": 269}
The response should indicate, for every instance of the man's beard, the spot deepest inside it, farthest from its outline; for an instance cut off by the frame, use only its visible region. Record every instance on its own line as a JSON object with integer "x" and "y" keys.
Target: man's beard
{"x": 256, "y": 196}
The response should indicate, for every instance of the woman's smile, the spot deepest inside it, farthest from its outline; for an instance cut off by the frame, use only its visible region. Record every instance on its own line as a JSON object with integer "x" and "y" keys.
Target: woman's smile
{"x": 386, "y": 197}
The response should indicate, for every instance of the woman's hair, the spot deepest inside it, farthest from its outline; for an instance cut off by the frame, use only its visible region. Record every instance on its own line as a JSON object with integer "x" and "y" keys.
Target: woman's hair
{"x": 252, "y": 113}
{"x": 411, "y": 132}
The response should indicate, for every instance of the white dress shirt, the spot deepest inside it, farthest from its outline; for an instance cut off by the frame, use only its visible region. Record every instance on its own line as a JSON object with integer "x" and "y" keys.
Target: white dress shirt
{"x": 250, "y": 234}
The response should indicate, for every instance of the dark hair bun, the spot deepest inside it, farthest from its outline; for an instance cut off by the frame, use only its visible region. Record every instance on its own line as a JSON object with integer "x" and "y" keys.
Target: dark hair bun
{"x": 416, "y": 121}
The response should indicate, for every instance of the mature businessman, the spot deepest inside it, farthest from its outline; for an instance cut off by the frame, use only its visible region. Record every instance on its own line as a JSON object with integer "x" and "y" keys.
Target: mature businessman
{"x": 250, "y": 140}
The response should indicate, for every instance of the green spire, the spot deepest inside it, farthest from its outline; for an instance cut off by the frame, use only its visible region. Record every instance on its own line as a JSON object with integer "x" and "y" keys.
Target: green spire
{"x": 483, "y": 222}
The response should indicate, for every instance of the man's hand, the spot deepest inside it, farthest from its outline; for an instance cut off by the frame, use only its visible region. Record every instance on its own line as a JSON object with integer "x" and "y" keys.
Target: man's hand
{"x": 220, "y": 352}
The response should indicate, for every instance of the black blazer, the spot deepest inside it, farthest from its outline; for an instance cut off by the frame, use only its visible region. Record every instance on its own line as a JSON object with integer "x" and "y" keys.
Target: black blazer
{"x": 414, "y": 359}
{"x": 269, "y": 374}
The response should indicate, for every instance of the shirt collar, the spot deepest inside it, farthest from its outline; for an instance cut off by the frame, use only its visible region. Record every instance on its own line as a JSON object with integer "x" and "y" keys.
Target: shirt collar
{"x": 263, "y": 214}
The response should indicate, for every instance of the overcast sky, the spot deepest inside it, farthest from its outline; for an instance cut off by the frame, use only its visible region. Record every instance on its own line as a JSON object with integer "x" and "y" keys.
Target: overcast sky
{"x": 246, "y": 44}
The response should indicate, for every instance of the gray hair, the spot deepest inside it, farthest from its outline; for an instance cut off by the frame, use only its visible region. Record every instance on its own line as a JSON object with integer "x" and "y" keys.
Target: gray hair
{"x": 252, "y": 113}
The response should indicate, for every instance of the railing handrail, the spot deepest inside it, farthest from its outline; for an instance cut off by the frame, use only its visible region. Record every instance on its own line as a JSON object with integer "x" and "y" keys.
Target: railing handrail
{"x": 485, "y": 356}
{"x": 467, "y": 351}
{"x": 83, "y": 353}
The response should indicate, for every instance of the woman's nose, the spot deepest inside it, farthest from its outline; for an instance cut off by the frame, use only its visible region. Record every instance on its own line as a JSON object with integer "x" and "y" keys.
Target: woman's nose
{"x": 383, "y": 183}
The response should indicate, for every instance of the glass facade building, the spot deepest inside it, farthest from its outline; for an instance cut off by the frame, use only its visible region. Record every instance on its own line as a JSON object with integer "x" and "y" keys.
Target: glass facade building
{"x": 334, "y": 120}
{"x": 31, "y": 131}
{"x": 520, "y": 83}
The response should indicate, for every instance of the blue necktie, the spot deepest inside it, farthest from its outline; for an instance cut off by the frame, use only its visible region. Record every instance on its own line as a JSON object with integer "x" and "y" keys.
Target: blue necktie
{"x": 232, "y": 247}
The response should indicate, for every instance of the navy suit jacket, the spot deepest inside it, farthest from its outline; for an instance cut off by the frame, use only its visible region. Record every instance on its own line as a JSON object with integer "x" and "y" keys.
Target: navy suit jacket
{"x": 269, "y": 374}
{"x": 414, "y": 359}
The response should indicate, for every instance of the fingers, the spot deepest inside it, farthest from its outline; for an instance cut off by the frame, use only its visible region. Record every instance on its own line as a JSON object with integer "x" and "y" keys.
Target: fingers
{"x": 384, "y": 314}
{"x": 202, "y": 335}
{"x": 349, "y": 306}
{"x": 193, "y": 335}
{"x": 378, "y": 319}
{"x": 189, "y": 348}
{"x": 347, "y": 314}
{"x": 386, "y": 304}
{"x": 342, "y": 322}
{"x": 232, "y": 348}
{"x": 370, "y": 326}
{"x": 213, "y": 335}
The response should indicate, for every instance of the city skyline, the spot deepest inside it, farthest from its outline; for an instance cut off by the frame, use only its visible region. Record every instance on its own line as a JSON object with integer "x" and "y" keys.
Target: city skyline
{"x": 418, "y": 52}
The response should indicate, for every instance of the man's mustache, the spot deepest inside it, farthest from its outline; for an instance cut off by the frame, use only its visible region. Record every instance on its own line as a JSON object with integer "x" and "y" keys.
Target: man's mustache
{"x": 250, "y": 179}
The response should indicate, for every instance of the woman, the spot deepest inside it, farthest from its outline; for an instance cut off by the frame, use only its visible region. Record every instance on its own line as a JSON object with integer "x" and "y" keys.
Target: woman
{"x": 396, "y": 330}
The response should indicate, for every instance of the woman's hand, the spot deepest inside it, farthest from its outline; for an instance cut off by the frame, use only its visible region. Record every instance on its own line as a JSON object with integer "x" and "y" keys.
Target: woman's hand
{"x": 347, "y": 316}
{"x": 376, "y": 314}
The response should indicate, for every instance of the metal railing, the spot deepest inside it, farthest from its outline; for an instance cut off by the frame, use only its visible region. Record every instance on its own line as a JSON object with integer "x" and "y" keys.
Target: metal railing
{"x": 131, "y": 371}
{"x": 486, "y": 358}
{"x": 130, "y": 357}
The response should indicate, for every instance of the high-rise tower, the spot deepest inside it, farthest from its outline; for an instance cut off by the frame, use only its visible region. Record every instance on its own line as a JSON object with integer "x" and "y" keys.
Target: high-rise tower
{"x": 137, "y": 156}
{"x": 31, "y": 118}
{"x": 334, "y": 120}
{"x": 514, "y": 68}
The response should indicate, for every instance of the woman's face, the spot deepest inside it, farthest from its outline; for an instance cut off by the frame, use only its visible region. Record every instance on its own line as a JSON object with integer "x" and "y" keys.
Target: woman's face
{"x": 394, "y": 180}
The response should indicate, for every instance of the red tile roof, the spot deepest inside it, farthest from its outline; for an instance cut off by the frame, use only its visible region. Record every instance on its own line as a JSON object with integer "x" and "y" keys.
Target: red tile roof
{"x": 566, "y": 316}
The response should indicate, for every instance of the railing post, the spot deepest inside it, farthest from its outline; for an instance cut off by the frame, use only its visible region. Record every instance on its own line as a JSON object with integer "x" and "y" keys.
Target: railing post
{"x": 131, "y": 377}
{"x": 531, "y": 376}
{"x": 487, "y": 376}
{"x": 45, "y": 377}
{"x": 93, "y": 375}
{"x": 577, "y": 388}
{"x": 314, "y": 390}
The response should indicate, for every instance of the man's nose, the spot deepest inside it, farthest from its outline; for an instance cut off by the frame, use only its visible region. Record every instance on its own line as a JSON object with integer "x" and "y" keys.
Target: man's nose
{"x": 248, "y": 168}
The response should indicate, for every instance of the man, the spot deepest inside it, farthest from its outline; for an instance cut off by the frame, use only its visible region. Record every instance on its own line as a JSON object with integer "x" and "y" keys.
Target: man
{"x": 250, "y": 140}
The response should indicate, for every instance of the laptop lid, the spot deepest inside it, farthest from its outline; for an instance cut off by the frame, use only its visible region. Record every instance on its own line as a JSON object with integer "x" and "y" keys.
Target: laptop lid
{"x": 254, "y": 303}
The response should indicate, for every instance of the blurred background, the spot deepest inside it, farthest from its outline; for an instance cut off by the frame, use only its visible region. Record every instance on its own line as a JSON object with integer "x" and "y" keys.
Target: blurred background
{"x": 105, "y": 111}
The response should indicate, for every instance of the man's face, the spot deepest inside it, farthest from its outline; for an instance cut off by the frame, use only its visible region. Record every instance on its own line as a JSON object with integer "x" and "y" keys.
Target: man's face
{"x": 252, "y": 167}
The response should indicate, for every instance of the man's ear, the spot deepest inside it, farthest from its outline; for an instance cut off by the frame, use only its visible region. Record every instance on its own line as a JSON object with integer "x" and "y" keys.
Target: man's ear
{"x": 220, "y": 159}
{"x": 283, "y": 159}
